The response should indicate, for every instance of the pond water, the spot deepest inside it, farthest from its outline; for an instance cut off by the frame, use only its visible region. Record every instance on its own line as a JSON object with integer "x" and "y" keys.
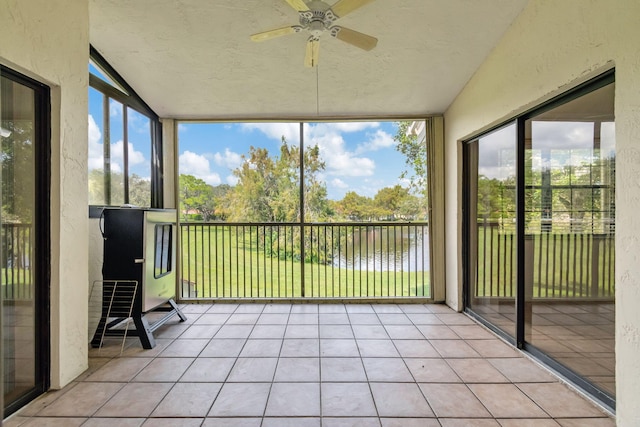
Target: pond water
{"x": 385, "y": 249}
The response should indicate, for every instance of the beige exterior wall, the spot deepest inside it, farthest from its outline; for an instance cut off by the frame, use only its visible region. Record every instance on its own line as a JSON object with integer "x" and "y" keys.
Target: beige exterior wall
{"x": 48, "y": 40}
{"x": 552, "y": 46}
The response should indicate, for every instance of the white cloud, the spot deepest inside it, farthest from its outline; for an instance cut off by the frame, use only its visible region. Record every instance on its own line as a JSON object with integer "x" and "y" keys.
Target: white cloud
{"x": 115, "y": 108}
{"x": 290, "y": 131}
{"x": 338, "y": 183}
{"x": 232, "y": 180}
{"x": 95, "y": 145}
{"x": 346, "y": 126}
{"x": 96, "y": 154}
{"x": 197, "y": 165}
{"x": 377, "y": 141}
{"x": 338, "y": 160}
{"x": 229, "y": 159}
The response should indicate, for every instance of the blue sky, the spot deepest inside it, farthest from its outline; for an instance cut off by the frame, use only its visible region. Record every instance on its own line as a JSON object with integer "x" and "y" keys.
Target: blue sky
{"x": 359, "y": 156}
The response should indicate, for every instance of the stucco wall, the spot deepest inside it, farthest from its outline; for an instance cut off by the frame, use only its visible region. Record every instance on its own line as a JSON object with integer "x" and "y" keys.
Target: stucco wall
{"x": 48, "y": 40}
{"x": 552, "y": 46}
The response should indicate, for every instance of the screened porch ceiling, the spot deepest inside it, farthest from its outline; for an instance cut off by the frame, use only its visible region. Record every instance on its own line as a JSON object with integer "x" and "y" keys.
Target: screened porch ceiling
{"x": 193, "y": 59}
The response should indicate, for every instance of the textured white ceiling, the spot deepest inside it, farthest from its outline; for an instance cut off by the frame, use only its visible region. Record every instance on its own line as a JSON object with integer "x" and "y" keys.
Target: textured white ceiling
{"x": 193, "y": 59}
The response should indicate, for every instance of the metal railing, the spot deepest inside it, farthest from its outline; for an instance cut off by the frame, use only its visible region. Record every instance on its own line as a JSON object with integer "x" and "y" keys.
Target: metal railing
{"x": 292, "y": 260}
{"x": 17, "y": 273}
{"x": 560, "y": 264}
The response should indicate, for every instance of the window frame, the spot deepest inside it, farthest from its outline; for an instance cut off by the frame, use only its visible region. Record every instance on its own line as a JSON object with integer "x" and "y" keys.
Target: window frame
{"x": 126, "y": 95}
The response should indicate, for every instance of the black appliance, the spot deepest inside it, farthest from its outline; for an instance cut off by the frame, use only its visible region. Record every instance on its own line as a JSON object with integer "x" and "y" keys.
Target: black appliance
{"x": 139, "y": 247}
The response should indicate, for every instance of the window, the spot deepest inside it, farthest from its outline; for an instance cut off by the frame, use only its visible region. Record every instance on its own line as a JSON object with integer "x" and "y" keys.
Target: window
{"x": 123, "y": 139}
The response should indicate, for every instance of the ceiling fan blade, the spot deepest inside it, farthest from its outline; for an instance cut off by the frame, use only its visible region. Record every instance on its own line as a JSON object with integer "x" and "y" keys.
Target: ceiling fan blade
{"x": 266, "y": 35}
{"x": 344, "y": 7}
{"x": 298, "y": 5}
{"x": 355, "y": 38}
{"x": 313, "y": 51}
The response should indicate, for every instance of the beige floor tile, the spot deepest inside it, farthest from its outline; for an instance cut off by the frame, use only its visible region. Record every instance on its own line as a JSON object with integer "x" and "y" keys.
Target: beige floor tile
{"x": 334, "y": 319}
{"x": 493, "y": 348}
{"x": 304, "y": 308}
{"x": 377, "y": 348}
{"x": 472, "y": 332}
{"x": 188, "y": 400}
{"x": 438, "y": 332}
{"x": 586, "y": 422}
{"x": 364, "y": 319}
{"x": 53, "y": 422}
{"x": 200, "y": 331}
{"x": 243, "y": 318}
{"x": 559, "y": 401}
{"x": 232, "y": 422}
{"x": 409, "y": 422}
{"x": 453, "y": 400}
{"x": 358, "y": 308}
{"x": 253, "y": 369}
{"x": 454, "y": 348}
{"x": 394, "y": 319}
{"x": 273, "y": 319}
{"x": 506, "y": 401}
{"x": 300, "y": 348}
{"x": 531, "y": 422}
{"x": 400, "y": 400}
{"x": 241, "y": 400}
{"x": 386, "y": 308}
{"x": 223, "y": 308}
{"x": 336, "y": 331}
{"x": 347, "y": 400}
{"x": 424, "y": 319}
{"x": 234, "y": 331}
{"x": 350, "y": 422}
{"x": 331, "y": 308}
{"x": 172, "y": 422}
{"x": 268, "y": 331}
{"x": 339, "y": 348}
{"x": 212, "y": 319}
{"x": 294, "y": 400}
{"x": 386, "y": 370}
{"x": 468, "y": 422}
{"x": 369, "y": 332}
{"x": 399, "y": 332}
{"x": 83, "y": 400}
{"x": 432, "y": 371}
{"x": 303, "y": 319}
{"x": 277, "y": 308}
{"x": 519, "y": 370}
{"x": 476, "y": 371}
{"x": 342, "y": 369}
{"x": 291, "y": 422}
{"x": 135, "y": 400}
{"x": 185, "y": 348}
{"x": 227, "y": 347}
{"x": 208, "y": 369}
{"x": 301, "y": 331}
{"x": 168, "y": 369}
{"x": 109, "y": 422}
{"x": 121, "y": 369}
{"x": 261, "y": 348}
{"x": 415, "y": 348}
{"x": 298, "y": 369}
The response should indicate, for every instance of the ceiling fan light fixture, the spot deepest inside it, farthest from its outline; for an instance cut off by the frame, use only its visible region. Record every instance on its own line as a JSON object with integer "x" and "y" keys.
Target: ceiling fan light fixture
{"x": 316, "y": 17}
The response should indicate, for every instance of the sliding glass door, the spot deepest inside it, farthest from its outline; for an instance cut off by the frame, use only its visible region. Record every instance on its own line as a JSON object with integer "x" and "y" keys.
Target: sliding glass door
{"x": 24, "y": 136}
{"x": 540, "y": 231}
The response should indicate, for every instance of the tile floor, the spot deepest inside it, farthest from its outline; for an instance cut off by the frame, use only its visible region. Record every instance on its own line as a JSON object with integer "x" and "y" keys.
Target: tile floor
{"x": 330, "y": 365}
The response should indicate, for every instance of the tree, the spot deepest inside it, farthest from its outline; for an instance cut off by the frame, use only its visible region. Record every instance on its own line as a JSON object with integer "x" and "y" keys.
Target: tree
{"x": 355, "y": 207}
{"x": 415, "y": 153}
{"x": 388, "y": 201}
{"x": 268, "y": 188}
{"x": 196, "y": 196}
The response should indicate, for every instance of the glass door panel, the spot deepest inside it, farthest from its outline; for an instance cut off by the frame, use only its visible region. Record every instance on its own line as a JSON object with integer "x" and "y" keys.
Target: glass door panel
{"x": 491, "y": 219}
{"x": 569, "y": 235}
{"x": 23, "y": 359}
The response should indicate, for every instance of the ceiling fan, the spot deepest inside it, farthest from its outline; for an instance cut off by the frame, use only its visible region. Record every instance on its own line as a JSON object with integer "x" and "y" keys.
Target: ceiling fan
{"x": 316, "y": 17}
